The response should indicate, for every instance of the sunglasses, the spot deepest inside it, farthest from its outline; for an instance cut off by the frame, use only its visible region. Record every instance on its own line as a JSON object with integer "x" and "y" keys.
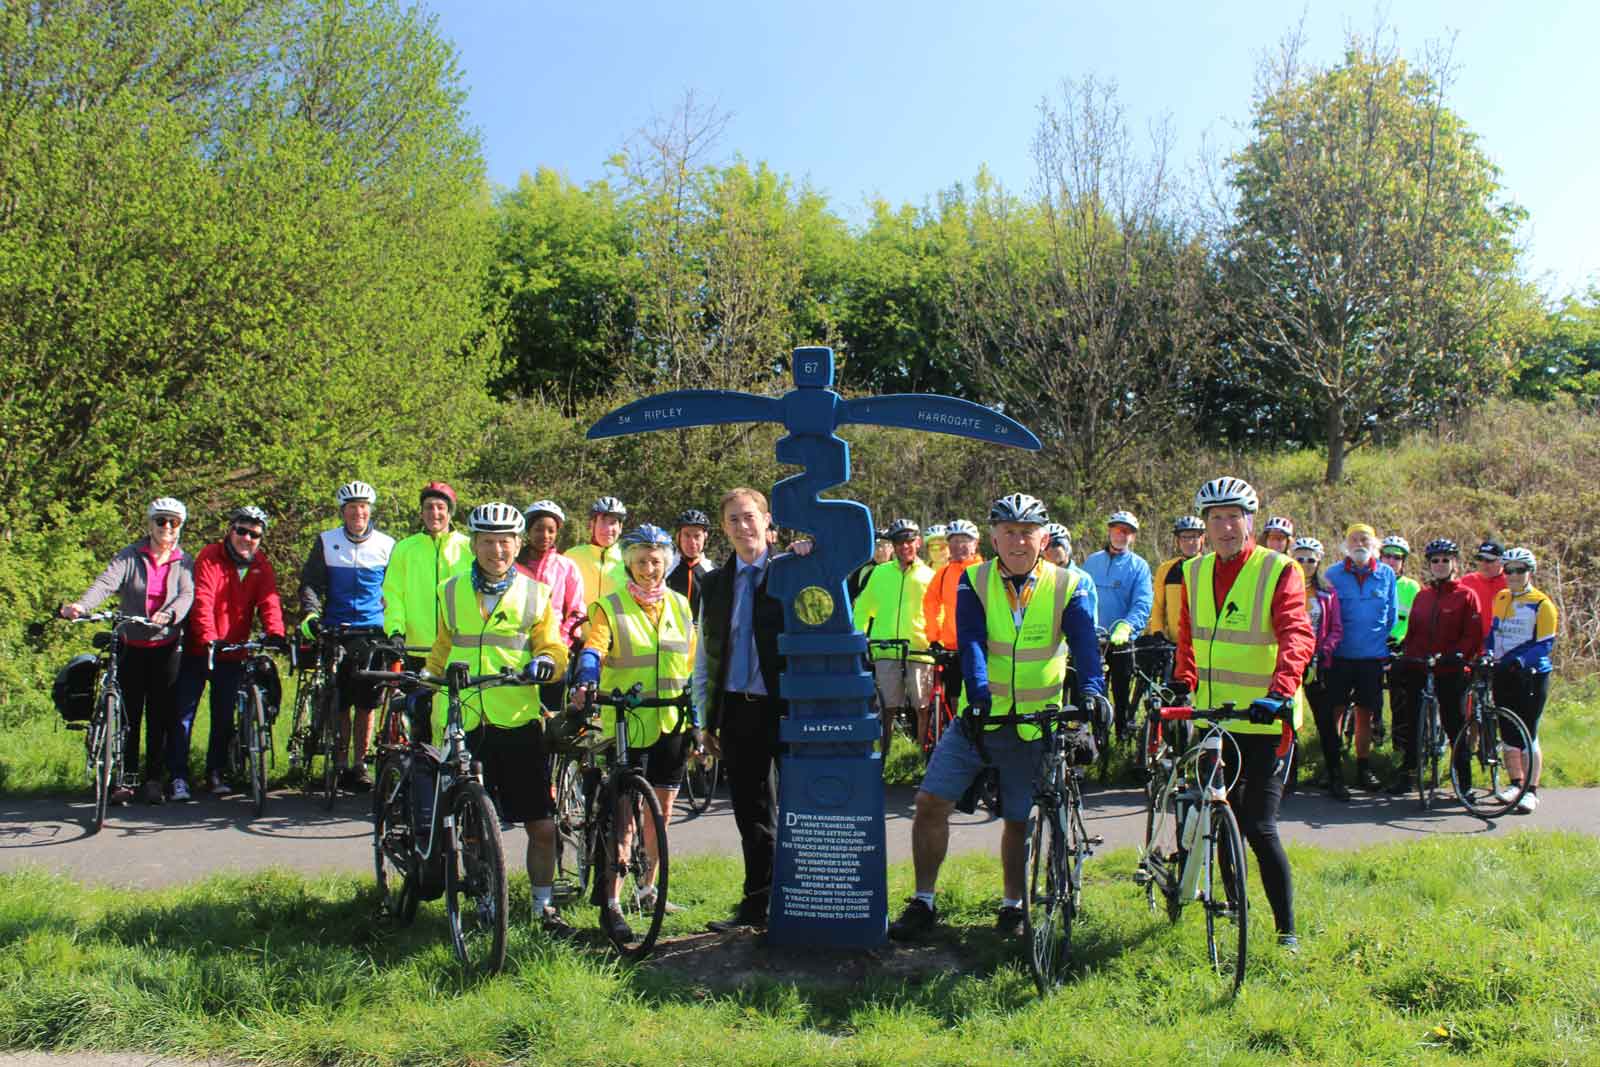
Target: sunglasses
{"x": 1391, "y": 555}
{"x": 1441, "y": 559}
{"x": 1516, "y": 570}
{"x": 247, "y": 533}
{"x": 1303, "y": 560}
{"x": 166, "y": 520}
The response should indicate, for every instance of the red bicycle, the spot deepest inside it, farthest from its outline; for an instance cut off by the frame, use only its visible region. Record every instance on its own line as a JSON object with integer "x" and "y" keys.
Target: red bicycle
{"x": 941, "y": 699}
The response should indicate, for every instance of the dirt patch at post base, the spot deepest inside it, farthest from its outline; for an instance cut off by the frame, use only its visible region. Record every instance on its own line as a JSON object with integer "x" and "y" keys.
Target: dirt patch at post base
{"x": 740, "y": 957}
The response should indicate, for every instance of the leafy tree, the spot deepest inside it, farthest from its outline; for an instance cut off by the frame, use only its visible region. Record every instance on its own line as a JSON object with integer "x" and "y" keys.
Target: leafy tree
{"x": 1564, "y": 355}
{"x": 1367, "y": 254}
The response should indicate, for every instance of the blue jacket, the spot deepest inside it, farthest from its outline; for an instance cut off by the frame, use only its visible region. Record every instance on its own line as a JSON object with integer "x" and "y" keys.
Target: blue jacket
{"x": 1124, "y": 587}
{"x": 1086, "y": 588}
{"x": 342, "y": 580}
{"x": 1368, "y": 606}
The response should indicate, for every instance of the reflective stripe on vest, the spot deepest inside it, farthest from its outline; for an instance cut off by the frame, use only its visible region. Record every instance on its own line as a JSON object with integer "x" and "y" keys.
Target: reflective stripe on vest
{"x": 653, "y": 654}
{"x": 1027, "y": 667}
{"x": 503, "y": 639}
{"x": 1236, "y": 651}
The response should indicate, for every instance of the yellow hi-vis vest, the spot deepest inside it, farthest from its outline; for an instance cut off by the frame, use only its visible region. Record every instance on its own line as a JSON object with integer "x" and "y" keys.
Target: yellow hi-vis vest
{"x": 485, "y": 645}
{"x": 654, "y": 654}
{"x": 1235, "y": 653}
{"x": 1027, "y": 665}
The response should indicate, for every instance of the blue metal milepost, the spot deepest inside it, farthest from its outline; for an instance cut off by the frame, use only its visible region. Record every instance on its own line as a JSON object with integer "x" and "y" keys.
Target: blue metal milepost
{"x": 830, "y": 878}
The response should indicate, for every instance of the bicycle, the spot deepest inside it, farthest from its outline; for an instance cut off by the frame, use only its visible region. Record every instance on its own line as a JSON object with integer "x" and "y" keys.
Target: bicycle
{"x": 615, "y": 847}
{"x": 700, "y": 779}
{"x": 1429, "y": 739}
{"x": 435, "y": 831}
{"x": 1151, "y": 694}
{"x": 1482, "y": 740}
{"x": 1057, "y": 842}
{"x": 107, "y": 725}
{"x": 891, "y": 716}
{"x": 1193, "y": 849}
{"x": 396, "y": 709}
{"x": 315, "y": 729}
{"x": 250, "y": 750}
{"x": 941, "y": 707}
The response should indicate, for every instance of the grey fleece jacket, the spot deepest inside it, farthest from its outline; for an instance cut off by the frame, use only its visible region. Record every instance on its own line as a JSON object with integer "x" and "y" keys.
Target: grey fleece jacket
{"x": 127, "y": 576}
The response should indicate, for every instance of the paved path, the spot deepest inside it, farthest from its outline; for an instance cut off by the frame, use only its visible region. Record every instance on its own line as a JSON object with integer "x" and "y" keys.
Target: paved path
{"x": 177, "y": 843}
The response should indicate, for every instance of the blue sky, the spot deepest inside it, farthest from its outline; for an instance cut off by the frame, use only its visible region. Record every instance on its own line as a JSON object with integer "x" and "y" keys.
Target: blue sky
{"x": 896, "y": 99}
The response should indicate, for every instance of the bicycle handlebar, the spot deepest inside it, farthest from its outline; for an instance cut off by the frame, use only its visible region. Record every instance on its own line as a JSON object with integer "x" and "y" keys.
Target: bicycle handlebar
{"x": 116, "y": 618}
{"x": 634, "y": 698}
{"x": 428, "y": 681}
{"x": 257, "y": 645}
{"x": 1437, "y": 659}
{"x": 1226, "y": 712}
{"x": 1054, "y": 713}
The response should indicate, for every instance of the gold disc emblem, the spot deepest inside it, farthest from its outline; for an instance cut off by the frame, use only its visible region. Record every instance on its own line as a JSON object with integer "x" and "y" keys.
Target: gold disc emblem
{"x": 813, "y": 605}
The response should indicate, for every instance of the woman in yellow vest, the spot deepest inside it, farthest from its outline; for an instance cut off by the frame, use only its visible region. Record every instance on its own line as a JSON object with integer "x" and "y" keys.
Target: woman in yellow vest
{"x": 492, "y": 618}
{"x": 1244, "y": 637}
{"x": 642, "y": 632}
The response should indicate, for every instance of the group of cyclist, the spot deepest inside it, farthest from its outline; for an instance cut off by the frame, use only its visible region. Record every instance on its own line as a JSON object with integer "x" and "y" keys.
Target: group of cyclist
{"x": 1264, "y": 626}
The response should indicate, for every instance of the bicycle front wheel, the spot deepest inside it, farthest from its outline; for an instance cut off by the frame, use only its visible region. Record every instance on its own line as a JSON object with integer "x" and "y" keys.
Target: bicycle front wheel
{"x": 1479, "y": 755}
{"x": 1225, "y": 898}
{"x": 256, "y": 759}
{"x": 1046, "y": 898}
{"x": 701, "y": 781}
{"x": 105, "y": 755}
{"x": 572, "y": 830}
{"x": 475, "y": 882}
{"x": 327, "y": 745}
{"x": 632, "y": 878}
{"x": 1427, "y": 748}
{"x": 394, "y": 839}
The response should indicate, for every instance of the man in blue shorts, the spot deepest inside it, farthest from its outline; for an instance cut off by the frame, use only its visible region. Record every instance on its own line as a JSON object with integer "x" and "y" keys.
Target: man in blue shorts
{"x": 1016, "y": 616}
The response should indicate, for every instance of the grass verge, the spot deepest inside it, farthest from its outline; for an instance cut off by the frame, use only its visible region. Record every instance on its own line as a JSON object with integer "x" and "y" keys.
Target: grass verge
{"x": 1443, "y": 952}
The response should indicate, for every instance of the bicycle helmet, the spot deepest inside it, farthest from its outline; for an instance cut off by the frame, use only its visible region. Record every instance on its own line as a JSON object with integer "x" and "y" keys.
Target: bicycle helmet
{"x": 1188, "y": 524}
{"x": 647, "y": 535}
{"x": 1123, "y": 518}
{"x": 903, "y": 528}
{"x": 962, "y": 528}
{"x": 609, "y": 505}
{"x": 881, "y": 534}
{"x": 544, "y": 507}
{"x": 495, "y": 517}
{"x": 1395, "y": 543}
{"x": 167, "y": 505}
{"x": 1442, "y": 546}
{"x": 356, "y": 491}
{"x": 937, "y": 532}
{"x": 1019, "y": 507}
{"x": 1281, "y": 524}
{"x": 1226, "y": 491}
{"x": 1520, "y": 555}
{"x": 249, "y": 513}
{"x": 441, "y": 490}
{"x": 1308, "y": 544}
{"x": 1058, "y": 535}
{"x": 694, "y": 517}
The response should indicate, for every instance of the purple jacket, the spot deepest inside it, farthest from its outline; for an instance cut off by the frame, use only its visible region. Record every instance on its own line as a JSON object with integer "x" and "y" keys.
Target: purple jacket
{"x": 1330, "y": 624}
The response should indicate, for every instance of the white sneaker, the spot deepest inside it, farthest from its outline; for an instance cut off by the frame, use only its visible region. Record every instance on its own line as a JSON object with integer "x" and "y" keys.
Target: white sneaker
{"x": 180, "y": 790}
{"x": 1528, "y": 804}
{"x": 647, "y": 902}
{"x": 1506, "y": 793}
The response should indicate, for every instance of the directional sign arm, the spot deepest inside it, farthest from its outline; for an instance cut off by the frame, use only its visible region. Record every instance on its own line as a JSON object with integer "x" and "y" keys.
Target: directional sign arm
{"x": 940, "y": 414}
{"x": 687, "y": 407}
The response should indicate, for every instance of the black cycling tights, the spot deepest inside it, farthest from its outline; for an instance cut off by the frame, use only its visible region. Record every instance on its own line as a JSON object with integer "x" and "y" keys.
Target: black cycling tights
{"x": 1255, "y": 798}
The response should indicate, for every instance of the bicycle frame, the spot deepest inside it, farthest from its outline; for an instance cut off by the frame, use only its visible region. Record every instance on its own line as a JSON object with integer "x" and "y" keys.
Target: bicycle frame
{"x": 1180, "y": 805}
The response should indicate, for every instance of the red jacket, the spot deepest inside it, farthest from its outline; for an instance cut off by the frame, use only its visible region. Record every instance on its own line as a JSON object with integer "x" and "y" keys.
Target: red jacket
{"x": 1444, "y": 619}
{"x": 1483, "y": 591}
{"x": 225, "y": 605}
{"x": 1291, "y": 624}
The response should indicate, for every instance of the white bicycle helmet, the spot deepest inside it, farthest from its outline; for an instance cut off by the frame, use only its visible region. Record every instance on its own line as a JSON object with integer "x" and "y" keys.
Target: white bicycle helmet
{"x": 1395, "y": 543}
{"x": 249, "y": 513}
{"x": 962, "y": 528}
{"x": 609, "y": 505}
{"x": 1188, "y": 524}
{"x": 1308, "y": 544}
{"x": 1019, "y": 507}
{"x": 495, "y": 517}
{"x": 1522, "y": 556}
{"x": 167, "y": 505}
{"x": 1279, "y": 524}
{"x": 903, "y": 528}
{"x": 937, "y": 532}
{"x": 1123, "y": 518}
{"x": 545, "y": 507}
{"x": 356, "y": 491}
{"x": 1224, "y": 492}
{"x": 1058, "y": 535}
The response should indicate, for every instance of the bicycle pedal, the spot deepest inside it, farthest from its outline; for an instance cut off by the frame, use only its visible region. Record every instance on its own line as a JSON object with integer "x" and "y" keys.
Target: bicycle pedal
{"x": 1096, "y": 839}
{"x": 1141, "y": 875}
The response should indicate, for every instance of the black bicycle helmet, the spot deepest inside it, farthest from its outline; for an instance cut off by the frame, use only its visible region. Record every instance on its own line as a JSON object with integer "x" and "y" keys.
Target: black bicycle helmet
{"x": 694, "y": 517}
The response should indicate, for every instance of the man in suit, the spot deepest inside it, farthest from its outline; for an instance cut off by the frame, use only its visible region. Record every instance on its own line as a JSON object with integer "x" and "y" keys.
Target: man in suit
{"x": 736, "y": 683}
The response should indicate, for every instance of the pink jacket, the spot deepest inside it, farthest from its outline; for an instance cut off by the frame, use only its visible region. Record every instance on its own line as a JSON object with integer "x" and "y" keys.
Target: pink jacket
{"x": 566, "y": 587}
{"x": 1330, "y": 627}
